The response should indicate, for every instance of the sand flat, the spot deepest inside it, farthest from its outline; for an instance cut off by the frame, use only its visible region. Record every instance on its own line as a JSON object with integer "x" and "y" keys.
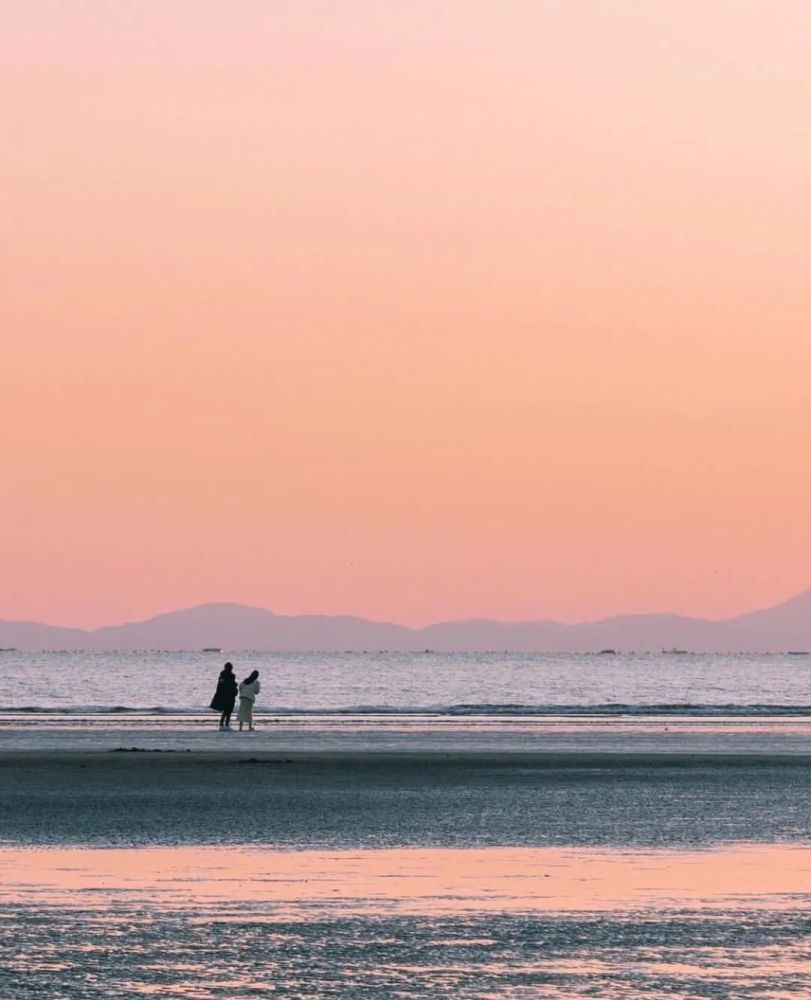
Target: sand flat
{"x": 214, "y": 923}
{"x": 336, "y": 800}
{"x": 401, "y": 732}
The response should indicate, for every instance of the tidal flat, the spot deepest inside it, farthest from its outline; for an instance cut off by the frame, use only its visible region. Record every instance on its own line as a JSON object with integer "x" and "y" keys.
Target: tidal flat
{"x": 349, "y": 800}
{"x": 216, "y": 922}
{"x": 129, "y": 873}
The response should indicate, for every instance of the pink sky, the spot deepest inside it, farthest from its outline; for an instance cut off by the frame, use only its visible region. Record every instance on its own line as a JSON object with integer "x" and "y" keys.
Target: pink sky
{"x": 407, "y": 309}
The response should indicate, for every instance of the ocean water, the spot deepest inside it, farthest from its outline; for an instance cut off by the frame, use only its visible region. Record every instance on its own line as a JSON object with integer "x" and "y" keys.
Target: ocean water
{"x": 447, "y": 684}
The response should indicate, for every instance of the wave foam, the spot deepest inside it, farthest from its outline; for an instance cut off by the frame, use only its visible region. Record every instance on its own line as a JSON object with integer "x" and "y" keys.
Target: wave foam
{"x": 608, "y": 709}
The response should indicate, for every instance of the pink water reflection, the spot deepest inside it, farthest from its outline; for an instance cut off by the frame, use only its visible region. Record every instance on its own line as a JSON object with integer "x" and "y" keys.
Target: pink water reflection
{"x": 410, "y": 881}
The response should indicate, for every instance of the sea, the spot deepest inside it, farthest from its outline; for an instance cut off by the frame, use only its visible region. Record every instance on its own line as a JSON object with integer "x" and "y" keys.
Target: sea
{"x": 438, "y": 684}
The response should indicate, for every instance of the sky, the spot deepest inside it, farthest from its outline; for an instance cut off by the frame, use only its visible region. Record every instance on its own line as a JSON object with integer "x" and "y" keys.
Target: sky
{"x": 411, "y": 309}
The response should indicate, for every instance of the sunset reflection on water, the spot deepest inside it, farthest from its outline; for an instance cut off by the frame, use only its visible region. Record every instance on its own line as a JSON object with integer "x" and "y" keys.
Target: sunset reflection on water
{"x": 409, "y": 881}
{"x": 207, "y": 922}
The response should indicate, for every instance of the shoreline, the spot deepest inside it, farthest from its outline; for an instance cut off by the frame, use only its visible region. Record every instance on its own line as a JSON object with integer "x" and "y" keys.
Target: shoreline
{"x": 414, "y": 735}
{"x": 574, "y": 760}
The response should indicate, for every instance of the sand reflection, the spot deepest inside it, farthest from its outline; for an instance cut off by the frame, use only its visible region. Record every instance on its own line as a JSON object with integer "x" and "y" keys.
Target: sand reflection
{"x": 410, "y": 881}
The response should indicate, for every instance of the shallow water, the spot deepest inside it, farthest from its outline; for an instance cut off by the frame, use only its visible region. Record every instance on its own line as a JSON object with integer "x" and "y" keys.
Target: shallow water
{"x": 216, "y": 923}
{"x": 392, "y": 732}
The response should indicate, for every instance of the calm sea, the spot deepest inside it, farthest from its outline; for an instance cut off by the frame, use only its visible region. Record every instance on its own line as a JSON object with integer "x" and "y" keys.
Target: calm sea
{"x": 457, "y": 684}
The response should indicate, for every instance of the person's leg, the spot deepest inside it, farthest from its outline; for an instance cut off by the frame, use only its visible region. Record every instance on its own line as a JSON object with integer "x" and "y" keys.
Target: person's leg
{"x": 250, "y": 716}
{"x": 227, "y": 716}
{"x": 222, "y": 720}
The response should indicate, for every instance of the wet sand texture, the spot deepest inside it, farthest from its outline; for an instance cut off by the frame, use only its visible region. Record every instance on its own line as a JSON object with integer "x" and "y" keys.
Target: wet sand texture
{"x": 335, "y": 800}
{"x": 231, "y": 923}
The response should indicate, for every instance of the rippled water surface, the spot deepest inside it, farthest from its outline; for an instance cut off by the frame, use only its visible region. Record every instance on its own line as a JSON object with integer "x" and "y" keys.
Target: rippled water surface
{"x": 216, "y": 923}
{"x": 460, "y": 683}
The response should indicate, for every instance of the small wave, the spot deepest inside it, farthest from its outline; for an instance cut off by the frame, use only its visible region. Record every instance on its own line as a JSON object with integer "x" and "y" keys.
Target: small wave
{"x": 508, "y": 709}
{"x": 616, "y": 708}
{"x": 95, "y": 710}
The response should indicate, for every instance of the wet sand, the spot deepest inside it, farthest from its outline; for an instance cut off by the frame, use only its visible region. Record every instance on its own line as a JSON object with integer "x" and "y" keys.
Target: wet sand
{"x": 339, "y": 800}
{"x": 410, "y": 734}
{"x": 242, "y": 872}
{"x": 228, "y": 923}
{"x": 291, "y": 885}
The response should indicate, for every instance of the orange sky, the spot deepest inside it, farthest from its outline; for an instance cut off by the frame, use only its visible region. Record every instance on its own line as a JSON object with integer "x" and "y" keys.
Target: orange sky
{"x": 407, "y": 309}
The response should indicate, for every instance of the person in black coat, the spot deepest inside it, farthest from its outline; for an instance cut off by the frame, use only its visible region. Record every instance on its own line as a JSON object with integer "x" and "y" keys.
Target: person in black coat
{"x": 225, "y": 695}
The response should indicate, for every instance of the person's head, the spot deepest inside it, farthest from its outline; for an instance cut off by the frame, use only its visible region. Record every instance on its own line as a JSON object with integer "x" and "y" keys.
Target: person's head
{"x": 251, "y": 677}
{"x": 228, "y": 668}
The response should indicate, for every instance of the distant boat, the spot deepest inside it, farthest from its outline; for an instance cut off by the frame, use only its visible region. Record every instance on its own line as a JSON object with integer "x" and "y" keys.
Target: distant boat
{"x": 608, "y": 652}
{"x": 799, "y": 652}
{"x": 8, "y": 649}
{"x": 675, "y": 652}
{"x": 211, "y": 649}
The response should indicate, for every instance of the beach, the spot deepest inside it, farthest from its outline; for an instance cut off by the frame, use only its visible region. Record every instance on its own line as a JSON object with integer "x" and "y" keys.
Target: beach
{"x": 350, "y": 800}
{"x": 203, "y": 923}
{"x": 475, "y": 851}
{"x": 246, "y": 872}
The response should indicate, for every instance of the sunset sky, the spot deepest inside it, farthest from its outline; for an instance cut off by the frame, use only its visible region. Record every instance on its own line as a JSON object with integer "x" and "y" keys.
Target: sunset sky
{"x": 412, "y": 310}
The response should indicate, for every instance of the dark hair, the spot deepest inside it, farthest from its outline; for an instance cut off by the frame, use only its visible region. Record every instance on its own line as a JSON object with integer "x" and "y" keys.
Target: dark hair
{"x": 228, "y": 668}
{"x": 251, "y": 677}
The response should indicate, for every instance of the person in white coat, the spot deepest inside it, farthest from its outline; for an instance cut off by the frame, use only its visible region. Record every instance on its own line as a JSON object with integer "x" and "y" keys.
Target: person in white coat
{"x": 248, "y": 690}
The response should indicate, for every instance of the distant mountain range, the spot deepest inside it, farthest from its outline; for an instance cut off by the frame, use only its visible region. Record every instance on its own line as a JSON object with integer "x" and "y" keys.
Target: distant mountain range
{"x": 784, "y": 628}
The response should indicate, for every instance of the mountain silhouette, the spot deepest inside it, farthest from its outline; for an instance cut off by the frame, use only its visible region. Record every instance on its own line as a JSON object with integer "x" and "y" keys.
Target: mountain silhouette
{"x": 782, "y": 628}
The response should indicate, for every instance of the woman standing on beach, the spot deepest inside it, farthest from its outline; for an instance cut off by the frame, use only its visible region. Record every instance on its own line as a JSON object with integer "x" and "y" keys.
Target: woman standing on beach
{"x": 248, "y": 690}
{"x": 225, "y": 695}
